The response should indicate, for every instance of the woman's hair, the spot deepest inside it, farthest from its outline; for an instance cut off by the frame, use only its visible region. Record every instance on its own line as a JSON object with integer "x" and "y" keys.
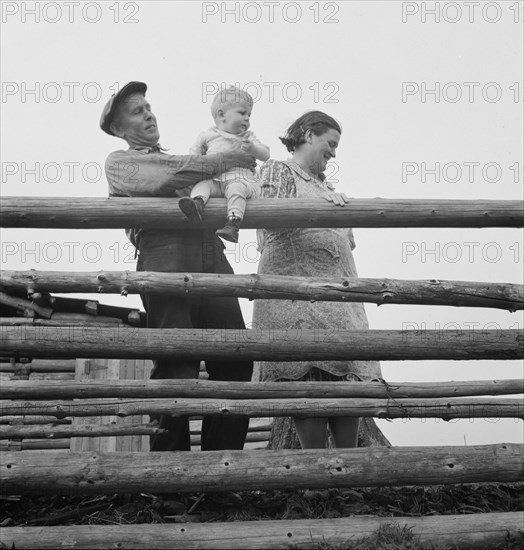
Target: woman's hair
{"x": 227, "y": 97}
{"x": 316, "y": 121}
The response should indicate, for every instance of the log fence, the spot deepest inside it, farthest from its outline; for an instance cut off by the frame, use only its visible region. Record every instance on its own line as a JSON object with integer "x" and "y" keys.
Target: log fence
{"x": 377, "y": 291}
{"x": 37, "y": 412}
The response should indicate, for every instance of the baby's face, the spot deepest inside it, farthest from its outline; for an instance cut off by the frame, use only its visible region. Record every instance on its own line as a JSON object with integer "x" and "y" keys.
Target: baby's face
{"x": 235, "y": 119}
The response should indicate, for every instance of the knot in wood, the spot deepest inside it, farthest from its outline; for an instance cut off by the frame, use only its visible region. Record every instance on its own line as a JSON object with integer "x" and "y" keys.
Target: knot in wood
{"x": 60, "y": 413}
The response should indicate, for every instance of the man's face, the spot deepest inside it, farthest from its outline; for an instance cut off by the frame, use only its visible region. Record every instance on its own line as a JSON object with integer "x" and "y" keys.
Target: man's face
{"x": 134, "y": 121}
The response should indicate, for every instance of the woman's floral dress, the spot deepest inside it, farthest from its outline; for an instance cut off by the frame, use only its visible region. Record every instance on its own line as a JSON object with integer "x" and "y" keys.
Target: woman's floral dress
{"x": 309, "y": 252}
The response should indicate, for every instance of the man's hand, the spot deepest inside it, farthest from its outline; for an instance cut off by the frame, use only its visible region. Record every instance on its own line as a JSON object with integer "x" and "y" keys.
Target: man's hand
{"x": 232, "y": 160}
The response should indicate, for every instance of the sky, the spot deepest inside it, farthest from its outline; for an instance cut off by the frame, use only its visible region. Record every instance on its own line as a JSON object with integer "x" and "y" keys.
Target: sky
{"x": 429, "y": 96}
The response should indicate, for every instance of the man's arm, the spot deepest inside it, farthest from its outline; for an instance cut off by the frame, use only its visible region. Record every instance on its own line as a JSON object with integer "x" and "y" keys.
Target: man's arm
{"x": 138, "y": 174}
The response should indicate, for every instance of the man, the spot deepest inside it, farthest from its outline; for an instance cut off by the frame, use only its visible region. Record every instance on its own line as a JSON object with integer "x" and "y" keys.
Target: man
{"x": 144, "y": 170}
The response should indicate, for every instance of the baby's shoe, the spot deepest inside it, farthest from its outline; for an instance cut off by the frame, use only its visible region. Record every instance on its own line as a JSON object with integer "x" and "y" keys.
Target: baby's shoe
{"x": 192, "y": 208}
{"x": 230, "y": 231}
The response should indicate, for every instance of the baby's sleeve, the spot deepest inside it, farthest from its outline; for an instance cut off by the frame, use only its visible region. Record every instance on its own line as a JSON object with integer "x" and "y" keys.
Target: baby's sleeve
{"x": 200, "y": 145}
{"x": 251, "y": 136}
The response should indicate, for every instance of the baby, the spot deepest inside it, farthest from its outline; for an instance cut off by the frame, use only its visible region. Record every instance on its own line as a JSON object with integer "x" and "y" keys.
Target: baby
{"x": 231, "y": 109}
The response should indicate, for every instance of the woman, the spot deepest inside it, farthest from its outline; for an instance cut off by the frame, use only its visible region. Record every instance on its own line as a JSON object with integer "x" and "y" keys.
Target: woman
{"x": 312, "y": 139}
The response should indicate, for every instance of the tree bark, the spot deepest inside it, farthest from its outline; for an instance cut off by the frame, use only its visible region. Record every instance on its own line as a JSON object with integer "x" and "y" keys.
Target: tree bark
{"x": 273, "y": 344}
{"x": 116, "y": 213}
{"x": 141, "y": 389}
{"x": 379, "y": 291}
{"x": 215, "y": 471}
{"x": 445, "y": 408}
{"x": 464, "y": 531}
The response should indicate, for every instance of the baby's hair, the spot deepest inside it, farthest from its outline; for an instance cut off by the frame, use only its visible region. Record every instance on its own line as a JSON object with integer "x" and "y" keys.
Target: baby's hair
{"x": 316, "y": 121}
{"x": 227, "y": 97}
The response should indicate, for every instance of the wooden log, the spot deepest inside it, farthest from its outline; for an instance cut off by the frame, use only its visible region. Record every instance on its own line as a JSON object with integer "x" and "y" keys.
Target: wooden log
{"x": 253, "y": 446}
{"x": 272, "y": 344}
{"x": 103, "y": 430}
{"x": 212, "y": 471}
{"x": 53, "y": 365}
{"x": 25, "y": 305}
{"x": 255, "y": 425}
{"x": 63, "y": 319}
{"x": 34, "y": 444}
{"x": 33, "y": 419}
{"x": 59, "y": 432}
{"x": 7, "y": 376}
{"x": 16, "y": 368}
{"x": 101, "y": 369}
{"x": 50, "y": 389}
{"x": 251, "y": 437}
{"x": 461, "y": 531}
{"x": 50, "y": 427}
{"x": 67, "y": 377}
{"x": 447, "y": 408}
{"x": 379, "y": 291}
{"x": 120, "y": 212}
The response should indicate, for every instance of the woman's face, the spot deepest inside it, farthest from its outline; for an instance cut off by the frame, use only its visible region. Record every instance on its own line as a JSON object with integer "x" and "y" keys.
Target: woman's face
{"x": 322, "y": 148}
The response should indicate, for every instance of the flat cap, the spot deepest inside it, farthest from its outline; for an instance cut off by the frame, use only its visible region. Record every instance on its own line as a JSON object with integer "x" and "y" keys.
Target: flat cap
{"x": 110, "y": 107}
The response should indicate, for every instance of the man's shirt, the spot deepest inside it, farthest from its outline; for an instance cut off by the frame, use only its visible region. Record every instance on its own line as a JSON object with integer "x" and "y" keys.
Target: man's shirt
{"x": 148, "y": 172}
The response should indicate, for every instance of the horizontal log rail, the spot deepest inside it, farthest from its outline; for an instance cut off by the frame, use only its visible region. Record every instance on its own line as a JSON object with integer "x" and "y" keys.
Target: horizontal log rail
{"x": 50, "y": 389}
{"x": 86, "y": 430}
{"x": 274, "y": 344}
{"x": 34, "y": 376}
{"x": 447, "y": 409}
{"x": 119, "y": 212}
{"x": 34, "y": 444}
{"x": 60, "y": 320}
{"x": 255, "y": 424}
{"x": 37, "y": 421}
{"x": 28, "y": 307}
{"x": 457, "y": 531}
{"x": 379, "y": 291}
{"x": 462, "y": 531}
{"x": 101, "y": 430}
{"x": 103, "y": 473}
{"x": 44, "y": 366}
{"x": 33, "y": 419}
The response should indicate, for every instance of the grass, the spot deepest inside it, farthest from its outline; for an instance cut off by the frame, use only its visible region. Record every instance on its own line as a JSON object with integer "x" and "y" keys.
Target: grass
{"x": 281, "y": 505}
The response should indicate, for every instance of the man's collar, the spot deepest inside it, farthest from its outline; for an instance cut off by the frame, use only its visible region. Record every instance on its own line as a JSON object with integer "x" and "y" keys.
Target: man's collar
{"x": 148, "y": 148}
